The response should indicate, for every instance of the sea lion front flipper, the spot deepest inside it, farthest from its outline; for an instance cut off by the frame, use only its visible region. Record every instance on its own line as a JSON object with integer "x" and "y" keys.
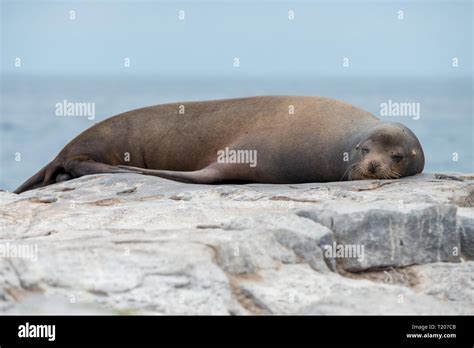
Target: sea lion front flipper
{"x": 209, "y": 175}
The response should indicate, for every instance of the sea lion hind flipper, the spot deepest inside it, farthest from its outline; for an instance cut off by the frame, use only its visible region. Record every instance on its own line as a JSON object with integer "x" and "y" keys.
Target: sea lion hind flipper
{"x": 33, "y": 182}
{"x": 78, "y": 168}
{"x": 54, "y": 172}
{"x": 40, "y": 179}
{"x": 208, "y": 175}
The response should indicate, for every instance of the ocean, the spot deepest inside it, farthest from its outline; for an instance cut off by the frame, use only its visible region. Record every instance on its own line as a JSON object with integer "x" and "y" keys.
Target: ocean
{"x": 32, "y": 134}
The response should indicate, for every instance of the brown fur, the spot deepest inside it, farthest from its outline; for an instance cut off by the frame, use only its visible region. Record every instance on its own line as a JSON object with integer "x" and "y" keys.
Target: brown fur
{"x": 306, "y": 146}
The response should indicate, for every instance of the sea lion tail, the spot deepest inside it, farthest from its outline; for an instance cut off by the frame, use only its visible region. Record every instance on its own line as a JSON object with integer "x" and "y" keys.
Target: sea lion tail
{"x": 40, "y": 179}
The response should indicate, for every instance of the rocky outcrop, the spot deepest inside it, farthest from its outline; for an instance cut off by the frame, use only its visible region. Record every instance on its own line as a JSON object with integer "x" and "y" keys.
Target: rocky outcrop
{"x": 128, "y": 244}
{"x": 392, "y": 236}
{"x": 465, "y": 225}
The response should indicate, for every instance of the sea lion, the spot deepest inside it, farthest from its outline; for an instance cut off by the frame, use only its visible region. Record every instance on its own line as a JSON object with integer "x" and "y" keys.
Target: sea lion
{"x": 293, "y": 139}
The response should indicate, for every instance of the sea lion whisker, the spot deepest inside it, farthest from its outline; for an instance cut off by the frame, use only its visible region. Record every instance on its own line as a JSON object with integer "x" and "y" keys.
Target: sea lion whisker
{"x": 348, "y": 170}
{"x": 394, "y": 175}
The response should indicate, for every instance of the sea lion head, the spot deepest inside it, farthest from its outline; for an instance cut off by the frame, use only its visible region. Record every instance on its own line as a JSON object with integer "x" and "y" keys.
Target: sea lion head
{"x": 387, "y": 151}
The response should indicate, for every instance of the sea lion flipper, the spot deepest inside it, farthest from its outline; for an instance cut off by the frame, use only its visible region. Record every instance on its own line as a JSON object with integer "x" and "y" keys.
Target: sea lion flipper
{"x": 33, "y": 182}
{"x": 208, "y": 175}
{"x": 79, "y": 167}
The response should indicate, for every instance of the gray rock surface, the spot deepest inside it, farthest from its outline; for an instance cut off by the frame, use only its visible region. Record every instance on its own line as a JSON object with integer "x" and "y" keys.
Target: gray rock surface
{"x": 133, "y": 244}
{"x": 392, "y": 236}
{"x": 466, "y": 231}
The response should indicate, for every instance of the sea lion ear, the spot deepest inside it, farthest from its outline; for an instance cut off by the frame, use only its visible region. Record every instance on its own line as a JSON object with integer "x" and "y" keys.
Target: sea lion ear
{"x": 357, "y": 146}
{"x": 413, "y": 152}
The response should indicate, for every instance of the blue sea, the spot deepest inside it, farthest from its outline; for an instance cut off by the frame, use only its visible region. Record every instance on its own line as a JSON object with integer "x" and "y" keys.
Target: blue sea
{"x": 32, "y": 134}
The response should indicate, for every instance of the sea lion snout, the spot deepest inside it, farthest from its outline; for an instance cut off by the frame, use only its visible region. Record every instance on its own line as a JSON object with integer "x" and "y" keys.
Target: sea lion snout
{"x": 388, "y": 152}
{"x": 373, "y": 166}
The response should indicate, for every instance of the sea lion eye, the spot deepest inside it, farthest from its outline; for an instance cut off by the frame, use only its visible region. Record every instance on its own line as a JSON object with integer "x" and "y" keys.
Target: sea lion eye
{"x": 397, "y": 158}
{"x": 365, "y": 151}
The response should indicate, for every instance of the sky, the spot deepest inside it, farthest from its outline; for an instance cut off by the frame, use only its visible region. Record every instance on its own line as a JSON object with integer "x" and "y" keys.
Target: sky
{"x": 260, "y": 34}
{"x": 76, "y": 50}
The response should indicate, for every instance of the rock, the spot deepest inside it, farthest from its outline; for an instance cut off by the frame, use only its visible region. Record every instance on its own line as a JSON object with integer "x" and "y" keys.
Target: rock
{"x": 448, "y": 177}
{"x": 451, "y": 282}
{"x": 303, "y": 291}
{"x": 135, "y": 244}
{"x": 127, "y": 191}
{"x": 390, "y": 236}
{"x": 465, "y": 221}
{"x": 466, "y": 200}
{"x": 126, "y": 276}
{"x": 303, "y": 238}
{"x": 42, "y": 199}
